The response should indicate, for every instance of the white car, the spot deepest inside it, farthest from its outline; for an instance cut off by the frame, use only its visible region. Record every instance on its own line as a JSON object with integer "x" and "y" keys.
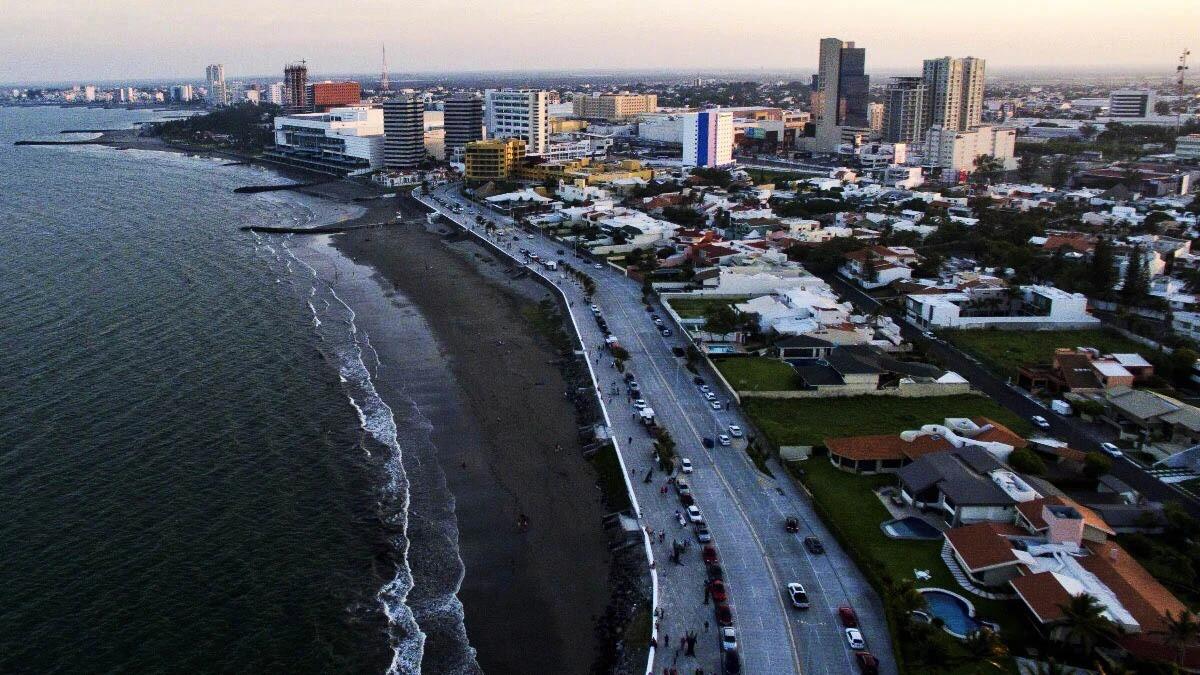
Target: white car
{"x": 728, "y": 639}
{"x": 724, "y": 440}
{"x": 798, "y": 595}
{"x": 598, "y": 266}
{"x": 639, "y": 404}
{"x": 529, "y": 236}
{"x": 735, "y": 431}
{"x": 694, "y": 515}
{"x": 708, "y": 395}
{"x": 685, "y": 465}
{"x": 855, "y": 639}
{"x": 704, "y": 388}
{"x": 716, "y": 405}
{"x": 1111, "y": 449}
{"x": 1040, "y": 422}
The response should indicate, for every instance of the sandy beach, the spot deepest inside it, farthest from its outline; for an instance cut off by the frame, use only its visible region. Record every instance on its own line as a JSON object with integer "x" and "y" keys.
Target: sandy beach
{"x": 508, "y": 446}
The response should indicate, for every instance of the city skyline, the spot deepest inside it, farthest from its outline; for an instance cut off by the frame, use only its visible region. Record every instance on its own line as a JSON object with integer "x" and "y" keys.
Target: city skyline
{"x": 78, "y": 43}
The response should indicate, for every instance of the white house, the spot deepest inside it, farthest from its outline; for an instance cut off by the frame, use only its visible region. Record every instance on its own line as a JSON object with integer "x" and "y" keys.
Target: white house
{"x": 1033, "y": 308}
{"x": 878, "y": 266}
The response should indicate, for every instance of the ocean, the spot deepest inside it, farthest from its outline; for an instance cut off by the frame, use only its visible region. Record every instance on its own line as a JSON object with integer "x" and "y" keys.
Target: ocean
{"x": 197, "y": 473}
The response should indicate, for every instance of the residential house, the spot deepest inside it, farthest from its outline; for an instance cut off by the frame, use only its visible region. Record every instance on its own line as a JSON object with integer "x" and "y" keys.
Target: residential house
{"x": 878, "y": 266}
{"x": 1029, "y": 308}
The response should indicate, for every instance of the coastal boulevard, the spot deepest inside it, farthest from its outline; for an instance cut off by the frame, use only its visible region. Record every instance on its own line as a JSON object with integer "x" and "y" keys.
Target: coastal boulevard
{"x": 744, "y": 508}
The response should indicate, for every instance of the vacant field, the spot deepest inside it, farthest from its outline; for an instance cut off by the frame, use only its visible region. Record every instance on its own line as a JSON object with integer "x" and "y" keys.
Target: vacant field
{"x": 808, "y": 421}
{"x": 1004, "y": 351}
{"x": 691, "y": 308}
{"x": 758, "y": 373}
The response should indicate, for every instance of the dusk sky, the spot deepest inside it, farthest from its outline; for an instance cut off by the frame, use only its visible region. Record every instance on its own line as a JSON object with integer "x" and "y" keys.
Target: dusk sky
{"x": 68, "y": 40}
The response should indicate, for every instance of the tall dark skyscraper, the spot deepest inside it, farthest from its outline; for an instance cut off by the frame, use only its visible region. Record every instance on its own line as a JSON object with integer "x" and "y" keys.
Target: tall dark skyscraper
{"x": 843, "y": 85}
{"x": 404, "y": 132}
{"x": 463, "y": 121}
{"x": 295, "y": 88}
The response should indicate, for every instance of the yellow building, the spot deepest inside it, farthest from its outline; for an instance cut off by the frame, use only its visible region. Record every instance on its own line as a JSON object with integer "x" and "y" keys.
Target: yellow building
{"x": 559, "y": 125}
{"x": 614, "y": 107}
{"x": 592, "y": 173}
{"x": 496, "y": 159}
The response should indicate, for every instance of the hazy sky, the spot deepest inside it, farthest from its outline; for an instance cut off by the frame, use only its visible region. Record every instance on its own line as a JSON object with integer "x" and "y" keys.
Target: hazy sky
{"x": 69, "y": 40}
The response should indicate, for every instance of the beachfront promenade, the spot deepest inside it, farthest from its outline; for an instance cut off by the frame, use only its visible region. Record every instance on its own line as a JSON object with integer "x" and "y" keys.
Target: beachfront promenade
{"x": 744, "y": 508}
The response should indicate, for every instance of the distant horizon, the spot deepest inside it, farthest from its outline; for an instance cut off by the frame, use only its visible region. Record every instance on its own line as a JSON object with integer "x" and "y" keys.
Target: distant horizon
{"x": 82, "y": 40}
{"x": 583, "y": 74}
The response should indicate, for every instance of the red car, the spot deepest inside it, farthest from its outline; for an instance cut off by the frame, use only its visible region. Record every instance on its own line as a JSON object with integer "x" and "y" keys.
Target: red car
{"x": 848, "y": 617}
{"x": 717, "y": 589}
{"x": 868, "y": 664}
{"x": 709, "y": 553}
{"x": 724, "y": 615}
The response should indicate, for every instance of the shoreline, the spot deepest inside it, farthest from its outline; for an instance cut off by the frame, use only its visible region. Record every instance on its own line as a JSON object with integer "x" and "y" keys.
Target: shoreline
{"x": 526, "y": 459}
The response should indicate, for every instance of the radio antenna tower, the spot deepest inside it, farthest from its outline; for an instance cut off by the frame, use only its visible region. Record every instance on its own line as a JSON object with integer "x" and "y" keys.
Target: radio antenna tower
{"x": 1180, "y": 72}
{"x": 384, "y": 85}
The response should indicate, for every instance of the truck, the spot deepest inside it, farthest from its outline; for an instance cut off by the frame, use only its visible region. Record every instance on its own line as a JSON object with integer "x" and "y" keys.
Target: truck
{"x": 1061, "y": 407}
{"x": 647, "y": 416}
{"x": 550, "y": 264}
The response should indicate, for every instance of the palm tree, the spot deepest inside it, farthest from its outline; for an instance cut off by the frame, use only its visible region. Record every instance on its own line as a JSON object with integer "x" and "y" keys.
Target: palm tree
{"x": 905, "y": 597}
{"x": 984, "y": 645}
{"x": 1180, "y": 631}
{"x": 1085, "y": 624}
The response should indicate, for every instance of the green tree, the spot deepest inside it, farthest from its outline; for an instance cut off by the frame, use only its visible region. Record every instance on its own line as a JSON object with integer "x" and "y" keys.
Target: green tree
{"x": 1028, "y": 167}
{"x": 1026, "y": 461}
{"x": 870, "y": 267}
{"x": 1096, "y": 465}
{"x": 1101, "y": 275}
{"x": 1088, "y": 131}
{"x": 1181, "y": 631}
{"x": 1084, "y": 623}
{"x": 988, "y": 167}
{"x": 721, "y": 319}
{"x": 1060, "y": 170}
{"x": 984, "y": 645}
{"x": 1137, "y": 280}
{"x": 1177, "y": 366}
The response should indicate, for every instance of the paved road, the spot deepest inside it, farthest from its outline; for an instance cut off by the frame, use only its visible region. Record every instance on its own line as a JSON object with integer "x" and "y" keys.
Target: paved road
{"x": 744, "y": 508}
{"x": 1079, "y": 434}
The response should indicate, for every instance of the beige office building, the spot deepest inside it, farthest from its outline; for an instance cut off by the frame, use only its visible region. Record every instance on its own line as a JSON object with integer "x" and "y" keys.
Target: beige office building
{"x": 614, "y": 107}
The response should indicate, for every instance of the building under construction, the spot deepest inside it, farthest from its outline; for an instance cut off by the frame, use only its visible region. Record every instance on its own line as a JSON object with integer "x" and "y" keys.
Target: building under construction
{"x": 295, "y": 88}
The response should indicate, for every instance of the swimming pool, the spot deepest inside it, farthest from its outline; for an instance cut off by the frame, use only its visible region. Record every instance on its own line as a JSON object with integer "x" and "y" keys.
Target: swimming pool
{"x": 910, "y": 527}
{"x": 957, "y": 613}
{"x": 720, "y": 349}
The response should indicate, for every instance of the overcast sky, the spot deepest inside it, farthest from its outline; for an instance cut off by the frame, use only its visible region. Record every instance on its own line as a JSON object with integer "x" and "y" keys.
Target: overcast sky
{"x": 79, "y": 40}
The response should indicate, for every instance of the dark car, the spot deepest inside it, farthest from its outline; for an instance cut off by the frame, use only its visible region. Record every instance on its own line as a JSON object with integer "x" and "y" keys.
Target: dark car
{"x": 731, "y": 663}
{"x": 698, "y": 381}
{"x": 709, "y": 554}
{"x": 714, "y": 572}
{"x": 848, "y": 616}
{"x": 686, "y": 499}
{"x": 814, "y": 545}
{"x": 724, "y": 614}
{"x": 678, "y": 351}
{"x": 867, "y": 663}
{"x": 716, "y": 589}
{"x": 629, "y": 377}
{"x": 708, "y": 443}
{"x": 791, "y": 524}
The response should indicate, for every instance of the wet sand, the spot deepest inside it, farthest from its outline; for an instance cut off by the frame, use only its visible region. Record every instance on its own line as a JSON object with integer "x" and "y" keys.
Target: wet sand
{"x": 508, "y": 446}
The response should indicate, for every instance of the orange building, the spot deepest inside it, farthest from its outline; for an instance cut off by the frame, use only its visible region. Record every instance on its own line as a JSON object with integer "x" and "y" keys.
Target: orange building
{"x": 325, "y": 95}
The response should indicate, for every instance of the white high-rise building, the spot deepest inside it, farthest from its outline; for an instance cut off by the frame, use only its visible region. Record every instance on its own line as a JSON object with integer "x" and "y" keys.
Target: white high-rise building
{"x": 954, "y": 99}
{"x": 1131, "y": 103}
{"x": 954, "y": 150}
{"x": 218, "y": 93}
{"x": 518, "y": 113}
{"x": 275, "y": 93}
{"x": 89, "y": 93}
{"x": 707, "y": 138}
{"x": 181, "y": 93}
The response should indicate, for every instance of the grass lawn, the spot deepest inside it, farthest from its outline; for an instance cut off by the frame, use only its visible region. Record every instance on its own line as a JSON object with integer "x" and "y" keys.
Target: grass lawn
{"x": 693, "y": 308}
{"x": 758, "y": 373}
{"x": 808, "y": 421}
{"x": 1005, "y": 350}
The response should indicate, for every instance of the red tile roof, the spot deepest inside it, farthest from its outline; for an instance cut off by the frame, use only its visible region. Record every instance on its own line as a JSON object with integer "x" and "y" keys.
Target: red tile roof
{"x": 1043, "y": 595}
{"x": 998, "y": 433}
{"x": 1032, "y": 510}
{"x": 984, "y": 545}
{"x": 1139, "y": 592}
{"x": 885, "y": 446}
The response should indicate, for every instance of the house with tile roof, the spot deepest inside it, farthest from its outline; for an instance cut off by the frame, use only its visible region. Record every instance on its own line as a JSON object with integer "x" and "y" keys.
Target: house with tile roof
{"x": 887, "y": 453}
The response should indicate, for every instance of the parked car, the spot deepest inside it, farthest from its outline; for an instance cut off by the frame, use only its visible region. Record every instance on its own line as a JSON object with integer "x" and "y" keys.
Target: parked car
{"x": 848, "y": 616}
{"x": 791, "y": 524}
{"x": 715, "y": 405}
{"x": 1111, "y": 449}
{"x": 854, "y": 638}
{"x": 728, "y": 639}
{"x": 707, "y": 442}
{"x": 678, "y": 351}
{"x": 596, "y": 265}
{"x": 867, "y": 663}
{"x": 709, "y": 554}
{"x": 666, "y": 332}
{"x": 724, "y": 440}
{"x": 702, "y": 534}
{"x": 1040, "y": 422}
{"x": 629, "y": 377}
{"x": 705, "y": 388}
{"x": 709, "y": 396}
{"x": 798, "y": 595}
{"x": 698, "y": 380}
{"x": 694, "y": 515}
{"x": 735, "y": 431}
{"x": 814, "y": 545}
{"x": 731, "y": 663}
{"x": 717, "y": 590}
{"x": 714, "y": 571}
{"x": 724, "y": 614}
{"x": 685, "y": 465}
{"x": 686, "y": 499}
{"x": 639, "y": 403}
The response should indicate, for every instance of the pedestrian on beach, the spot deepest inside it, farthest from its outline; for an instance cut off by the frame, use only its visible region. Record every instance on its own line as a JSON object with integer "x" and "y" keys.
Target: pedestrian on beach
{"x": 705, "y": 626}
{"x": 666, "y": 641}
{"x": 661, "y": 537}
